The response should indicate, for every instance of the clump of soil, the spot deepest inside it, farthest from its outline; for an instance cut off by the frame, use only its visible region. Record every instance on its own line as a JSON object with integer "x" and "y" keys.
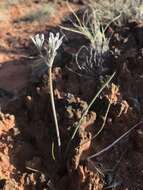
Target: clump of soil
{"x": 7, "y": 123}
{"x": 32, "y": 142}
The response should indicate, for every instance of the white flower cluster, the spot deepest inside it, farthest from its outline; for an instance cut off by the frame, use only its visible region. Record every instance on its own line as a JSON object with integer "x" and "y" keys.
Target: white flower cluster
{"x": 54, "y": 43}
{"x": 38, "y": 40}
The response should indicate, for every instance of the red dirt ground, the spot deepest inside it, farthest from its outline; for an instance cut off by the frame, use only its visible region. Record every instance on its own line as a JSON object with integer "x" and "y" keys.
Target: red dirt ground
{"x": 27, "y": 133}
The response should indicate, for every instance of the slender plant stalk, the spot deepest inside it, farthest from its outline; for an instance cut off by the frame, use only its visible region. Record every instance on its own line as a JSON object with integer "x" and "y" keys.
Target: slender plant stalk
{"x": 53, "y": 154}
{"x": 86, "y": 111}
{"x": 102, "y": 127}
{"x": 53, "y": 103}
{"x": 54, "y": 111}
{"x": 104, "y": 121}
{"x": 116, "y": 141}
{"x": 54, "y": 43}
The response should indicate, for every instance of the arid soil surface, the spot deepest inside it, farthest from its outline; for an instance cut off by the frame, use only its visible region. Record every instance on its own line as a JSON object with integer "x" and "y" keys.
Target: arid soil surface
{"x": 28, "y": 144}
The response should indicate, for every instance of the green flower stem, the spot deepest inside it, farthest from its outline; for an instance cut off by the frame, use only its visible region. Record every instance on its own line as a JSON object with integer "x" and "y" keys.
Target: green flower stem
{"x": 54, "y": 111}
{"x": 54, "y": 43}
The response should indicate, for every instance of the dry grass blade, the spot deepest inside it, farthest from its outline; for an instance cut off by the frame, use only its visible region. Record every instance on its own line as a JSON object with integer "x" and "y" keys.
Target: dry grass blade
{"x": 126, "y": 10}
{"x": 90, "y": 26}
{"x": 86, "y": 111}
{"x": 116, "y": 141}
{"x": 104, "y": 121}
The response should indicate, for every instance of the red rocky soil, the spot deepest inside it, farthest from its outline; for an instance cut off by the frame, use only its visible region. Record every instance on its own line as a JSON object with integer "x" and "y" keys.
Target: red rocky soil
{"x": 28, "y": 160}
